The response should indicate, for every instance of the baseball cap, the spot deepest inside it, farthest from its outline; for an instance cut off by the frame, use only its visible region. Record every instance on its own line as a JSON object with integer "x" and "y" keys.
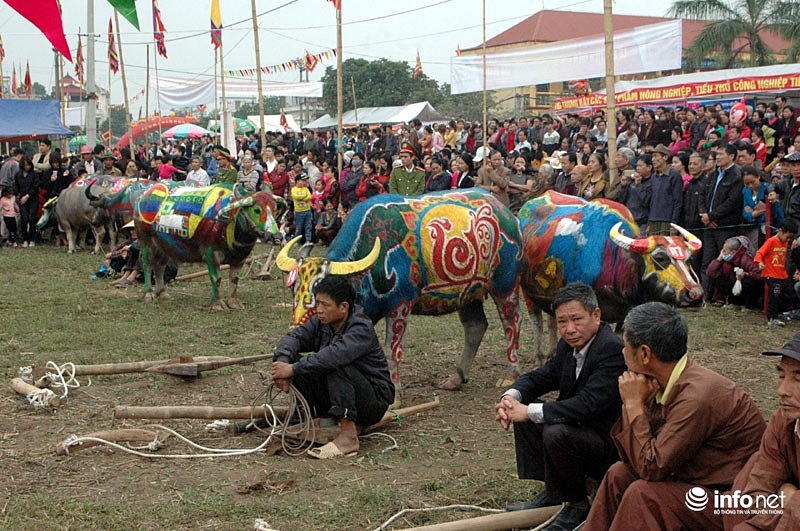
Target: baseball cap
{"x": 480, "y": 153}
{"x": 790, "y": 349}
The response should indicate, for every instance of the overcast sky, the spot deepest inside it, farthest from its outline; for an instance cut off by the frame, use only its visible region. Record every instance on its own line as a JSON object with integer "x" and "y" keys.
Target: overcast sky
{"x": 371, "y": 29}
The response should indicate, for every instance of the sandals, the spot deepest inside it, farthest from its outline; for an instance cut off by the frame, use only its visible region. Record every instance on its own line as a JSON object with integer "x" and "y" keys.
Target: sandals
{"x": 329, "y": 451}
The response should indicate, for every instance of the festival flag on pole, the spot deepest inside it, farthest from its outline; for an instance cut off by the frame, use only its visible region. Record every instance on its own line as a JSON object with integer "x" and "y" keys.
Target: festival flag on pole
{"x": 311, "y": 61}
{"x": 45, "y": 15}
{"x": 14, "y": 82}
{"x": 127, "y": 8}
{"x": 418, "y": 66}
{"x": 113, "y": 58}
{"x": 284, "y": 122}
{"x": 2, "y": 50}
{"x": 159, "y": 30}
{"x": 79, "y": 59}
{"x": 458, "y": 50}
{"x": 27, "y": 86}
{"x": 216, "y": 24}
{"x": 337, "y": 4}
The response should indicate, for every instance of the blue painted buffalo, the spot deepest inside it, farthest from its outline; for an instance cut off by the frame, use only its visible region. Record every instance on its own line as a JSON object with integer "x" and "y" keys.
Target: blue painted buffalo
{"x": 567, "y": 239}
{"x": 429, "y": 255}
{"x": 216, "y": 224}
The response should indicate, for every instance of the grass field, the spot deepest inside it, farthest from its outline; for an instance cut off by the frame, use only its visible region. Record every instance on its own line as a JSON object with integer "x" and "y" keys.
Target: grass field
{"x": 52, "y": 310}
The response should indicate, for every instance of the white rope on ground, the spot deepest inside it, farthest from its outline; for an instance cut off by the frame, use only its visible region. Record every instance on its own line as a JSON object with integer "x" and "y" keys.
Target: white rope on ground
{"x": 61, "y": 378}
{"x": 394, "y": 445}
{"x": 277, "y": 427}
{"x": 432, "y": 509}
{"x": 56, "y": 376}
{"x": 40, "y": 398}
{"x": 262, "y": 525}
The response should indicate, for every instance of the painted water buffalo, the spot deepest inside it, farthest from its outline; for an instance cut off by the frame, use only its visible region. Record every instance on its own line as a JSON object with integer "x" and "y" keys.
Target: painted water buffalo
{"x": 216, "y": 225}
{"x": 567, "y": 239}
{"x": 117, "y": 200}
{"x": 429, "y": 255}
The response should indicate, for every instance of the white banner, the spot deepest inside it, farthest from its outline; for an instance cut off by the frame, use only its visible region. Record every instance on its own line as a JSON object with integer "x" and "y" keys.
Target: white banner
{"x": 650, "y": 48}
{"x": 177, "y": 95}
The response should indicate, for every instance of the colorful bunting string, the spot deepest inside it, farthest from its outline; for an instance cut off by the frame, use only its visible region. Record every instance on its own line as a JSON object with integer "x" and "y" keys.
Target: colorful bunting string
{"x": 307, "y": 62}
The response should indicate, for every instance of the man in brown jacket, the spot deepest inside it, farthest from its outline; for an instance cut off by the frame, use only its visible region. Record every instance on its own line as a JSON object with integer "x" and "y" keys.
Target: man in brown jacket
{"x": 773, "y": 473}
{"x": 494, "y": 177}
{"x": 685, "y": 432}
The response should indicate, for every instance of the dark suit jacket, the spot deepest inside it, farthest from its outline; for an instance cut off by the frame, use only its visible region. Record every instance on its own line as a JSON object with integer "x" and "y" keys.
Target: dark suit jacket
{"x": 726, "y": 208}
{"x": 591, "y": 400}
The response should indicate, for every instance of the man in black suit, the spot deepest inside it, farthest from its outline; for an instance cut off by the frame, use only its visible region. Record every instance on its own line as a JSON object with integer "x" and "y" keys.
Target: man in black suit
{"x": 563, "y": 442}
{"x": 722, "y": 214}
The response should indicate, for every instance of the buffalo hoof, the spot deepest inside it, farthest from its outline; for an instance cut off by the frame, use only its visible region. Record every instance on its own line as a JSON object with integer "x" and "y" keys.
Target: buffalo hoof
{"x": 149, "y": 297}
{"x": 70, "y": 251}
{"x": 220, "y": 305}
{"x": 235, "y": 304}
{"x": 164, "y": 296}
{"x": 506, "y": 380}
{"x": 452, "y": 383}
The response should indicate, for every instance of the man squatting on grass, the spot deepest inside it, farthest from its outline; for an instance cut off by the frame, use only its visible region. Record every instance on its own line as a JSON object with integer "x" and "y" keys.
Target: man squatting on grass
{"x": 346, "y": 376}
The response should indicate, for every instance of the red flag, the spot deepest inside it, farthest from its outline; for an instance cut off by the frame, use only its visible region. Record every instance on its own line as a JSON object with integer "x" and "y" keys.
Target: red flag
{"x": 284, "y": 122}
{"x": 159, "y": 30}
{"x": 337, "y": 4}
{"x": 79, "y": 59}
{"x": 113, "y": 58}
{"x": 45, "y": 15}
{"x": 2, "y": 50}
{"x": 27, "y": 86}
{"x": 418, "y": 66}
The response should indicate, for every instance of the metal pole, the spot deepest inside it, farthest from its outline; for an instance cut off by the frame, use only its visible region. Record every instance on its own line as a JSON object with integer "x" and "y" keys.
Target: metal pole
{"x": 124, "y": 88}
{"x": 611, "y": 102}
{"x": 91, "y": 106}
{"x": 339, "y": 94}
{"x": 258, "y": 76}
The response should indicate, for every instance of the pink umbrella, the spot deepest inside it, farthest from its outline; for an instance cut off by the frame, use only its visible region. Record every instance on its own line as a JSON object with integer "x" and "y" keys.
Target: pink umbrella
{"x": 187, "y": 131}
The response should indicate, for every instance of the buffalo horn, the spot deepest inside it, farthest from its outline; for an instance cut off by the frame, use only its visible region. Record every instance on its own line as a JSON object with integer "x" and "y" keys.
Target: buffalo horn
{"x": 349, "y": 268}
{"x": 638, "y": 245}
{"x": 692, "y": 241}
{"x": 284, "y": 261}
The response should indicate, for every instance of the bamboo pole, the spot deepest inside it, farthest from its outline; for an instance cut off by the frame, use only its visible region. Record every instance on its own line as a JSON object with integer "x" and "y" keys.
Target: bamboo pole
{"x": 258, "y": 75}
{"x": 194, "y": 412}
{"x": 339, "y": 93}
{"x": 120, "y": 435}
{"x": 223, "y": 123}
{"x": 146, "y": 104}
{"x": 91, "y": 95}
{"x": 125, "y": 368}
{"x": 355, "y": 104}
{"x": 216, "y": 95}
{"x": 108, "y": 106}
{"x": 611, "y": 100}
{"x": 24, "y": 388}
{"x": 223, "y": 267}
{"x": 496, "y": 522}
{"x": 485, "y": 126}
{"x": 124, "y": 89}
{"x": 158, "y": 90}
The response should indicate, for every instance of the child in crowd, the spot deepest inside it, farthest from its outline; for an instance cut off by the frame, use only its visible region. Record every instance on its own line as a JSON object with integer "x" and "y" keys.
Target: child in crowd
{"x": 771, "y": 258}
{"x": 10, "y": 209}
{"x": 301, "y": 198}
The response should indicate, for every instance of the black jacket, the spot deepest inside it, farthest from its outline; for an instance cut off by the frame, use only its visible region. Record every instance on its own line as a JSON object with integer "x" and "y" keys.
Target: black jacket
{"x": 694, "y": 203}
{"x": 356, "y": 344}
{"x": 591, "y": 400}
{"x": 726, "y": 207}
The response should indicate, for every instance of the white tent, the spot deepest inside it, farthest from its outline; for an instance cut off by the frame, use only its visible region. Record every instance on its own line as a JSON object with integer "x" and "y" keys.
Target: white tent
{"x": 272, "y": 122}
{"x": 380, "y": 115}
{"x": 175, "y": 92}
{"x": 650, "y": 48}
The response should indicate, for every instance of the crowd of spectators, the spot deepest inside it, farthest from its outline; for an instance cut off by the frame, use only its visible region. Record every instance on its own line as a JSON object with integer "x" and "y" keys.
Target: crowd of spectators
{"x": 692, "y": 166}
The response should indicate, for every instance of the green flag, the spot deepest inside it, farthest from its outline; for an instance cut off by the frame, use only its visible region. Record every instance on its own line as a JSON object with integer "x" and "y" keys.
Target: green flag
{"x": 126, "y": 8}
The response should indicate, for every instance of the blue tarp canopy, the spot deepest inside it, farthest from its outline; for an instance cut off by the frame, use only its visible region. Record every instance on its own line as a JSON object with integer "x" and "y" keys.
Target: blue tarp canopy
{"x": 30, "y": 119}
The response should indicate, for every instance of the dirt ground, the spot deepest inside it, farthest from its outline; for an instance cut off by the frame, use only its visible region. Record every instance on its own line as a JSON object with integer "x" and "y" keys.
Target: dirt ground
{"x": 454, "y": 454}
